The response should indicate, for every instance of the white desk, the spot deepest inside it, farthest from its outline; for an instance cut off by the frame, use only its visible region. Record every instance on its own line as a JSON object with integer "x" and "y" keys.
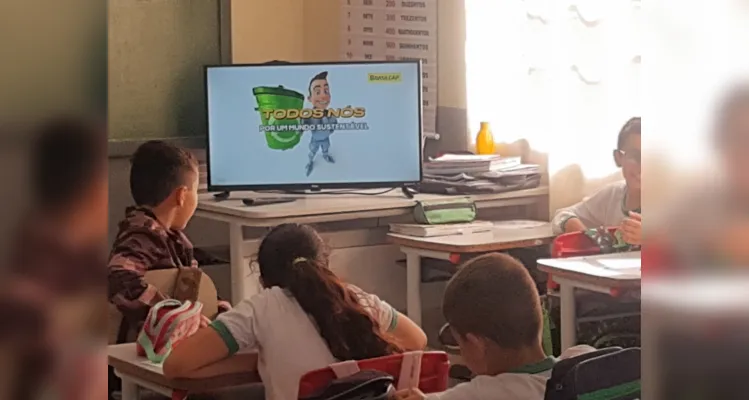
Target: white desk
{"x": 325, "y": 208}
{"x": 137, "y": 372}
{"x": 602, "y": 273}
{"x": 452, "y": 247}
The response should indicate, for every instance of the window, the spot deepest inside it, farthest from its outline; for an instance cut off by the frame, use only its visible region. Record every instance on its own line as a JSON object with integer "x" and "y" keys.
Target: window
{"x": 565, "y": 75}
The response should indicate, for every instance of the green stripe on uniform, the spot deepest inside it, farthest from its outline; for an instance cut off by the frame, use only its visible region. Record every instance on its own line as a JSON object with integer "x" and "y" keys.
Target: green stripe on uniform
{"x": 614, "y": 392}
{"x": 226, "y": 336}
{"x": 542, "y": 366}
{"x": 394, "y": 320}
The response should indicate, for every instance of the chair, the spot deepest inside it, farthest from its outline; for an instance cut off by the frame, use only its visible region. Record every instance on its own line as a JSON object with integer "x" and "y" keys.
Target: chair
{"x": 573, "y": 244}
{"x": 427, "y": 370}
{"x": 577, "y": 244}
{"x": 606, "y": 374}
{"x": 657, "y": 260}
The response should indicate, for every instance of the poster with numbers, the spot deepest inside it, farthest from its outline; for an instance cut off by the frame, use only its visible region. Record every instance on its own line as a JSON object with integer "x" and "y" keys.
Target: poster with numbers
{"x": 395, "y": 30}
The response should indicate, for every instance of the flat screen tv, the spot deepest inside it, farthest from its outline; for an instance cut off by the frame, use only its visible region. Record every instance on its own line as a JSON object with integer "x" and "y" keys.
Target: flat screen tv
{"x": 314, "y": 125}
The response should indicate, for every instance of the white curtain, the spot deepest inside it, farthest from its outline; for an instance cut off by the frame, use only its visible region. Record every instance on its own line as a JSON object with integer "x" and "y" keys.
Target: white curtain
{"x": 563, "y": 74}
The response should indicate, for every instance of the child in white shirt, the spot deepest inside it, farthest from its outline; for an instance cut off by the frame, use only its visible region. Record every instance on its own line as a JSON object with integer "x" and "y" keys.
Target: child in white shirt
{"x": 617, "y": 204}
{"x": 304, "y": 319}
{"x": 494, "y": 312}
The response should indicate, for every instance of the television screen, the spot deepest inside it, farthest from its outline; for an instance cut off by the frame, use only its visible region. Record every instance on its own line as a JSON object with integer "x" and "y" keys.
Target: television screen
{"x": 314, "y": 125}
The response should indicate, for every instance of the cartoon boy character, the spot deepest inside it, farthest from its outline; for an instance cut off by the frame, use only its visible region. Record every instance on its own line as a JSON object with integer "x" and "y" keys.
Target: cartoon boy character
{"x": 319, "y": 96}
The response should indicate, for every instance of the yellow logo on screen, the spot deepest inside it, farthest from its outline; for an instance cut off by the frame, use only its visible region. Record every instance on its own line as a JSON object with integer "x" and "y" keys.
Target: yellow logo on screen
{"x": 385, "y": 78}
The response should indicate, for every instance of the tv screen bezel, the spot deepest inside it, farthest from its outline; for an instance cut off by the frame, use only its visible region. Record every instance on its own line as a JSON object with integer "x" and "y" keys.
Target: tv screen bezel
{"x": 313, "y": 186}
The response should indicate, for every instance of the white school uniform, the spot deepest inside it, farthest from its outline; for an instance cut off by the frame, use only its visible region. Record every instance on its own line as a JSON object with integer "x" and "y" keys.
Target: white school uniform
{"x": 604, "y": 208}
{"x": 287, "y": 339}
{"x": 525, "y": 383}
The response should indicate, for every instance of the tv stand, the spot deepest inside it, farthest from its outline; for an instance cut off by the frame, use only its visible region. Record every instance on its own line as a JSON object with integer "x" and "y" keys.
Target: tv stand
{"x": 408, "y": 191}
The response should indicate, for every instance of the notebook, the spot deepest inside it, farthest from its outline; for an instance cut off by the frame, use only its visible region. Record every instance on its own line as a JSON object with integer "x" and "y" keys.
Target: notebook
{"x": 441, "y": 230}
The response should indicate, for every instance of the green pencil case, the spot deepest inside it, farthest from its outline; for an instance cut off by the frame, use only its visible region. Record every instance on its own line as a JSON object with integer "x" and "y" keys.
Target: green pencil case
{"x": 451, "y": 211}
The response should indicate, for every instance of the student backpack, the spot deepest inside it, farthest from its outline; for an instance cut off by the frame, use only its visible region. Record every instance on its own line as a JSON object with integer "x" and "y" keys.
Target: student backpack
{"x": 606, "y": 374}
{"x": 363, "y": 385}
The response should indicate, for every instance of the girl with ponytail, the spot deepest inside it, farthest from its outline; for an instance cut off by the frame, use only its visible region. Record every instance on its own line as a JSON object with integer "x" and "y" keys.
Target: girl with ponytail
{"x": 305, "y": 318}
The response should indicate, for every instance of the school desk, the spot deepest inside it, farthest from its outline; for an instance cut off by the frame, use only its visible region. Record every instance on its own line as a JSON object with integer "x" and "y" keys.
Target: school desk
{"x": 137, "y": 372}
{"x": 455, "y": 248}
{"x": 606, "y": 273}
{"x": 354, "y": 221}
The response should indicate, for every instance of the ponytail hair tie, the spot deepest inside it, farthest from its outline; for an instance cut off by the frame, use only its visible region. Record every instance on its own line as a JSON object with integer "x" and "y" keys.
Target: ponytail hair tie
{"x": 299, "y": 260}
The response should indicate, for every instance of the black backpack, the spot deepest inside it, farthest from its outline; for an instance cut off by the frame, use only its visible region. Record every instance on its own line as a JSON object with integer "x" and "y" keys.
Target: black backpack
{"x": 363, "y": 385}
{"x": 606, "y": 374}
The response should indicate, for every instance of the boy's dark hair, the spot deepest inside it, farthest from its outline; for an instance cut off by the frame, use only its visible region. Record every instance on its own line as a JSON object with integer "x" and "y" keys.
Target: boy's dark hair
{"x": 67, "y": 155}
{"x": 735, "y": 103}
{"x": 294, "y": 257}
{"x": 157, "y": 169}
{"x": 493, "y": 296}
{"x": 321, "y": 76}
{"x": 631, "y": 127}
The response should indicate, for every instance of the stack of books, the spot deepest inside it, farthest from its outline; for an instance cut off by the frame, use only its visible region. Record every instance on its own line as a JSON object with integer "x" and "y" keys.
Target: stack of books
{"x": 450, "y": 164}
{"x": 441, "y": 230}
{"x": 470, "y": 173}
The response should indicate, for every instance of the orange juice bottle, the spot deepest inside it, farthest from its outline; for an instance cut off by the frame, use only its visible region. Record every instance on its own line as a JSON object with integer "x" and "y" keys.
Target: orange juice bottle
{"x": 485, "y": 140}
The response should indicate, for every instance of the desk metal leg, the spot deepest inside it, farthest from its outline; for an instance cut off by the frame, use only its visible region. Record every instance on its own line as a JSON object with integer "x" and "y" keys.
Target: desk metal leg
{"x": 413, "y": 286}
{"x": 130, "y": 390}
{"x": 568, "y": 315}
{"x": 239, "y": 270}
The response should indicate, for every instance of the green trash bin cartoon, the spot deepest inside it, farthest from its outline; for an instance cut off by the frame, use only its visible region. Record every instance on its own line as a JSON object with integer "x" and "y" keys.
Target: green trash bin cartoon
{"x": 279, "y": 98}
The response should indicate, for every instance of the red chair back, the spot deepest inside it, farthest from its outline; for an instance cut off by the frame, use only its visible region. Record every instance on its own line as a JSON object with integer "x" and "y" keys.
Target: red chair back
{"x": 432, "y": 371}
{"x": 572, "y": 244}
{"x": 575, "y": 244}
{"x": 656, "y": 259}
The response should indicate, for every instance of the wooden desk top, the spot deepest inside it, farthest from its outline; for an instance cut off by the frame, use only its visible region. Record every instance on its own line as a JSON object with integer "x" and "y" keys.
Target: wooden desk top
{"x": 337, "y": 207}
{"x": 123, "y": 358}
{"x": 618, "y": 270}
{"x": 495, "y": 240}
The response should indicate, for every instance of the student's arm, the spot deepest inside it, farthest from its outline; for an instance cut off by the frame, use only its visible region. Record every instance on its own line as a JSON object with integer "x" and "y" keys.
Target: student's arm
{"x": 571, "y": 219}
{"x": 129, "y": 261}
{"x": 589, "y": 213}
{"x": 405, "y": 332}
{"x": 238, "y": 363}
{"x": 232, "y": 331}
{"x": 408, "y": 335}
{"x": 632, "y": 229}
{"x": 194, "y": 353}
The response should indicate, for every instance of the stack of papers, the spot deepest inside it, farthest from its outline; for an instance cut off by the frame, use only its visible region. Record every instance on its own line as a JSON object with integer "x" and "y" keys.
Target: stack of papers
{"x": 452, "y": 164}
{"x": 470, "y": 173}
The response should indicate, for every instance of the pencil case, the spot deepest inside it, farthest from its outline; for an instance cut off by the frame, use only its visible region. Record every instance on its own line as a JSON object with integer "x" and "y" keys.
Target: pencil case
{"x": 168, "y": 322}
{"x": 434, "y": 212}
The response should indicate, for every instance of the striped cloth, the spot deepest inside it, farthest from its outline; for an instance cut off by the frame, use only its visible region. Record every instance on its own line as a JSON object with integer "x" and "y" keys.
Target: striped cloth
{"x": 168, "y": 322}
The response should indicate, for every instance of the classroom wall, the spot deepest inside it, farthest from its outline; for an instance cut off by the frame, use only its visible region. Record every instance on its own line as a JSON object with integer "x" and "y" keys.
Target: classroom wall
{"x": 309, "y": 31}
